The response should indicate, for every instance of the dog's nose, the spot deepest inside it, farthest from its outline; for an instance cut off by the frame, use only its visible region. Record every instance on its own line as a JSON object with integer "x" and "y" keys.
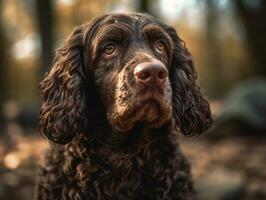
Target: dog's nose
{"x": 149, "y": 73}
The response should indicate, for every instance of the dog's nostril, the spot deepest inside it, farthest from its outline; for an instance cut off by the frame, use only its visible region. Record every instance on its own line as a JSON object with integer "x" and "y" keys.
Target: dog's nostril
{"x": 143, "y": 75}
{"x": 162, "y": 74}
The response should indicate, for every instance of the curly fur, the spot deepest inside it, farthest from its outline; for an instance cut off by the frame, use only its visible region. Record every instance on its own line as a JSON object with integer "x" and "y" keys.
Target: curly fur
{"x": 108, "y": 138}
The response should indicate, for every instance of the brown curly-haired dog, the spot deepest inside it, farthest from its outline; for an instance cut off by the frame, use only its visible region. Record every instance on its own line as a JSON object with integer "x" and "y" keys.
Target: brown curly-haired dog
{"x": 120, "y": 89}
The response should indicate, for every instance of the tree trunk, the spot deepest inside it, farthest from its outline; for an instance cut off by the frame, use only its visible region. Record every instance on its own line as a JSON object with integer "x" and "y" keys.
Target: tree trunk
{"x": 44, "y": 10}
{"x": 213, "y": 52}
{"x": 143, "y": 6}
{"x": 3, "y": 64}
{"x": 254, "y": 21}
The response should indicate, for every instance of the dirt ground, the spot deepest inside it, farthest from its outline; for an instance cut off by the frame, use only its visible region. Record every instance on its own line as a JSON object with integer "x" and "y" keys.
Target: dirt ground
{"x": 236, "y": 166}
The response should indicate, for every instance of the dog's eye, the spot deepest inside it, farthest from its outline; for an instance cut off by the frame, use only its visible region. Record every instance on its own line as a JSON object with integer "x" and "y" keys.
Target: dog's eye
{"x": 160, "y": 47}
{"x": 109, "y": 49}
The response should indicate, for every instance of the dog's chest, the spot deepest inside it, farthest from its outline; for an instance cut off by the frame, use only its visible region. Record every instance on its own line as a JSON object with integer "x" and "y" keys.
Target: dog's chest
{"x": 114, "y": 175}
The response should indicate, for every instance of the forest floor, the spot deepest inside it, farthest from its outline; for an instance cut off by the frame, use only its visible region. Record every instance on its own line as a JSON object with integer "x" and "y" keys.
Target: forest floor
{"x": 225, "y": 167}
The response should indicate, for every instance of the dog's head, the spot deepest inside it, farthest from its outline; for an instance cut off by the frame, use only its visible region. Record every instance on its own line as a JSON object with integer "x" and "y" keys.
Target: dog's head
{"x": 127, "y": 68}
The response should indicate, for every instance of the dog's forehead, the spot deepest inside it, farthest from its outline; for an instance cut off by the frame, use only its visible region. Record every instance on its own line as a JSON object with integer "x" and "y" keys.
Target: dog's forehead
{"x": 128, "y": 19}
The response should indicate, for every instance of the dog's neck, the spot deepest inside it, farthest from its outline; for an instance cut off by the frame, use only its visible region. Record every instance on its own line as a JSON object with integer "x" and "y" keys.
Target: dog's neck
{"x": 135, "y": 149}
{"x": 140, "y": 133}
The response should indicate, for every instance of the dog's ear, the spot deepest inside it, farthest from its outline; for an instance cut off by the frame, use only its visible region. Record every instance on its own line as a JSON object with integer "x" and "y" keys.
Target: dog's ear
{"x": 63, "y": 102}
{"x": 191, "y": 110}
{"x": 63, "y": 91}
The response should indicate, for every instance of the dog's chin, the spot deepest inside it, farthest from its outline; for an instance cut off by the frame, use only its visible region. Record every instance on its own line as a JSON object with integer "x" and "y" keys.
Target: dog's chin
{"x": 152, "y": 112}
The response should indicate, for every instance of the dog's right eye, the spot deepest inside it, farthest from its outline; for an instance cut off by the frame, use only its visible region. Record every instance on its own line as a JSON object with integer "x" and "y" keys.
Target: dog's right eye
{"x": 109, "y": 49}
{"x": 160, "y": 47}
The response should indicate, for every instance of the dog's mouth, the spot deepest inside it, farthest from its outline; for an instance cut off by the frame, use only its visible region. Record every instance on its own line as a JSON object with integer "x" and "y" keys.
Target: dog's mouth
{"x": 146, "y": 111}
{"x": 151, "y": 108}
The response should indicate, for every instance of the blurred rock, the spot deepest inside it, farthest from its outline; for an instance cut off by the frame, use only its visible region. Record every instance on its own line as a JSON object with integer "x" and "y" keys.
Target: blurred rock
{"x": 25, "y": 115}
{"x": 257, "y": 190}
{"x": 28, "y": 116}
{"x": 243, "y": 111}
{"x": 221, "y": 184}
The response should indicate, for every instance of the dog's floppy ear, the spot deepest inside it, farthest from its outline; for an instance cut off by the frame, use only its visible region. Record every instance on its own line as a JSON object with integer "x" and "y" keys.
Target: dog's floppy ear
{"x": 191, "y": 110}
{"x": 63, "y": 95}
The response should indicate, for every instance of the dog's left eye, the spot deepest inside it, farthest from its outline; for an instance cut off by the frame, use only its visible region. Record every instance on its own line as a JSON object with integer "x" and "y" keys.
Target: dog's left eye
{"x": 160, "y": 47}
{"x": 109, "y": 49}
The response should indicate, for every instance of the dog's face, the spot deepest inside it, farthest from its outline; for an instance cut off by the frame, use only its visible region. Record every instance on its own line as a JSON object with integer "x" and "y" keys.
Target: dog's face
{"x": 131, "y": 58}
{"x": 141, "y": 71}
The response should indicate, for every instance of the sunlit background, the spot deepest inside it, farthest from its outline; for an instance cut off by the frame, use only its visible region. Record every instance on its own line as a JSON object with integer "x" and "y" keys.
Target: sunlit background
{"x": 227, "y": 39}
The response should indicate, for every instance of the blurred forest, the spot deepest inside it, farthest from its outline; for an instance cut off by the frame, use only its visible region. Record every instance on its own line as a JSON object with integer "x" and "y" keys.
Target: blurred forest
{"x": 227, "y": 39}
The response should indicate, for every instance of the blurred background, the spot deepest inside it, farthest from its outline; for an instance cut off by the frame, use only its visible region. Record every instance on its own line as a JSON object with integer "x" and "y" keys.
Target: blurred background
{"x": 227, "y": 39}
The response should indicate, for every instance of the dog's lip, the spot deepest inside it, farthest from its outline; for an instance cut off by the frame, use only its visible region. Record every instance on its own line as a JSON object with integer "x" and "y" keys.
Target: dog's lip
{"x": 152, "y": 89}
{"x": 152, "y": 94}
{"x": 142, "y": 104}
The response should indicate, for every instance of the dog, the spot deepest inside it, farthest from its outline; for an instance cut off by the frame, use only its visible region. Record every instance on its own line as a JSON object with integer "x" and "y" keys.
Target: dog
{"x": 121, "y": 89}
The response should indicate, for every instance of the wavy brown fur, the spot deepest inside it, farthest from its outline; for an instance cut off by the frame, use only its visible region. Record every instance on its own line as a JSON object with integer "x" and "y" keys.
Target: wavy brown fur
{"x": 93, "y": 113}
